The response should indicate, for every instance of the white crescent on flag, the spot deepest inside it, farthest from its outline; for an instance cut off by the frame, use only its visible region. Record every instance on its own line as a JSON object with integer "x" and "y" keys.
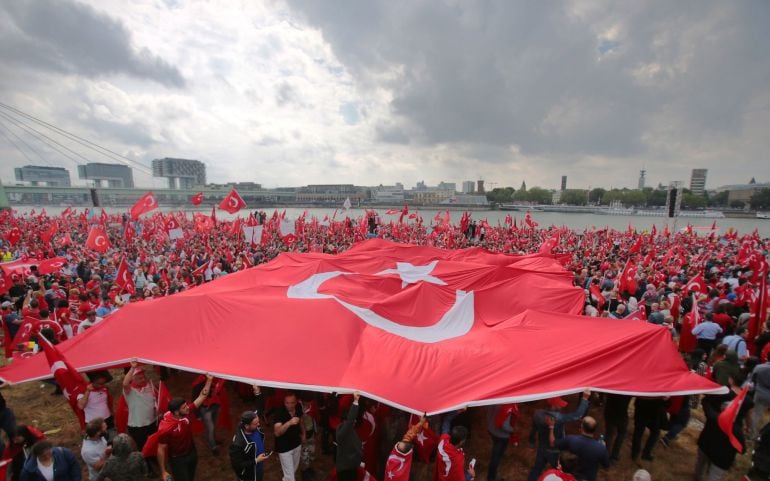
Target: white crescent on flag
{"x": 58, "y": 365}
{"x": 100, "y": 240}
{"x": 400, "y": 465}
{"x": 149, "y": 201}
{"x": 233, "y": 202}
{"x": 456, "y": 322}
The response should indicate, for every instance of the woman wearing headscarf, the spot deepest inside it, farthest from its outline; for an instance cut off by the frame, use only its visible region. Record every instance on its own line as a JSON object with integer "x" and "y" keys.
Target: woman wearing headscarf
{"x": 125, "y": 463}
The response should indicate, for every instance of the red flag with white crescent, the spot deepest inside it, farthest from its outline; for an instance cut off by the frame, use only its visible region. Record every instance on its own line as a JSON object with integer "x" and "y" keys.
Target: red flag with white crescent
{"x": 197, "y": 199}
{"x": 48, "y": 234}
{"x": 728, "y": 417}
{"x": 398, "y": 465}
{"x": 70, "y": 381}
{"x": 430, "y": 308}
{"x": 124, "y": 279}
{"x": 232, "y": 202}
{"x": 98, "y": 239}
{"x": 696, "y": 284}
{"x": 13, "y": 236}
{"x": 49, "y": 266}
{"x": 146, "y": 203}
{"x": 129, "y": 232}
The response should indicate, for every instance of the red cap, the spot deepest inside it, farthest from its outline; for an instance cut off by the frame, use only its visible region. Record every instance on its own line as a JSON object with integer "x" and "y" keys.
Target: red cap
{"x": 557, "y": 402}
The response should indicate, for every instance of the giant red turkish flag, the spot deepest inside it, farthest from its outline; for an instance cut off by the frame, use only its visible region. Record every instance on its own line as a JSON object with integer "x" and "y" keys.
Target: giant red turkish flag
{"x": 145, "y": 204}
{"x": 232, "y": 202}
{"x": 420, "y": 328}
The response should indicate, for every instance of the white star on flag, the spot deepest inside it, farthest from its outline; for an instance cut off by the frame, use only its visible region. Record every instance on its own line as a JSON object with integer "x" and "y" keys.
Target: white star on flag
{"x": 410, "y": 273}
{"x": 421, "y": 438}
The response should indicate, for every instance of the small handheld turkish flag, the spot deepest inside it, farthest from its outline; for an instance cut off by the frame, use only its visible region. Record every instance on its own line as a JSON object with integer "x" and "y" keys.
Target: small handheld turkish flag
{"x": 49, "y": 266}
{"x": 197, "y": 199}
{"x": 173, "y": 229}
{"x": 727, "y": 418}
{"x": 13, "y": 236}
{"x": 123, "y": 278}
{"x": 98, "y": 239}
{"x": 696, "y": 284}
{"x": 145, "y": 204}
{"x": 232, "y": 202}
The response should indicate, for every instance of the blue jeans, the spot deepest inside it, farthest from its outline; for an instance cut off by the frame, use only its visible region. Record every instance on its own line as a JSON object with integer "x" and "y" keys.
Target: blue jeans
{"x": 498, "y": 450}
{"x": 678, "y": 423}
{"x": 209, "y": 415}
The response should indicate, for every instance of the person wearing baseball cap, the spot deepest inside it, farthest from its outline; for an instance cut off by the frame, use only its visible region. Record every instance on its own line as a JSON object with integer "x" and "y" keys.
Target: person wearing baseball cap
{"x": 247, "y": 451}
{"x": 11, "y": 318}
{"x": 551, "y": 421}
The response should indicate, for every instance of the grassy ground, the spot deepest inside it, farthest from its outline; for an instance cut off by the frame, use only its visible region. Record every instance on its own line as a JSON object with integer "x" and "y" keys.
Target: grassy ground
{"x": 34, "y": 404}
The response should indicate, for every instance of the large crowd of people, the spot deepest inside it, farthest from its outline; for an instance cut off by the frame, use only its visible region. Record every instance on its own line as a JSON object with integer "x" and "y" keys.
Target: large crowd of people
{"x": 708, "y": 288}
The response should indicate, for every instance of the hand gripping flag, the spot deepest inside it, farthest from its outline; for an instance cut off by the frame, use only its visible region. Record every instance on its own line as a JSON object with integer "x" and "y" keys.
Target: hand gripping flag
{"x": 197, "y": 199}
{"x": 232, "y": 202}
{"x": 145, "y": 204}
{"x": 98, "y": 239}
{"x": 71, "y": 382}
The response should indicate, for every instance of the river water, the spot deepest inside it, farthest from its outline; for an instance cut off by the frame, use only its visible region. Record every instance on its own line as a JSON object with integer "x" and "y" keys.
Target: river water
{"x": 575, "y": 221}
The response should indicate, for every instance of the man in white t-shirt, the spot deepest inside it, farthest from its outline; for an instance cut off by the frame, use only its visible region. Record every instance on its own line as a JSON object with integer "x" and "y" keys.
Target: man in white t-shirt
{"x": 95, "y": 450}
{"x": 96, "y": 402}
{"x": 141, "y": 398}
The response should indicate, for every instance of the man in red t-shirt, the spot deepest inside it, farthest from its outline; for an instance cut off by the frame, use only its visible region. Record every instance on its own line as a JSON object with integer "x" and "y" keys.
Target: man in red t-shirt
{"x": 176, "y": 451}
{"x": 31, "y": 306}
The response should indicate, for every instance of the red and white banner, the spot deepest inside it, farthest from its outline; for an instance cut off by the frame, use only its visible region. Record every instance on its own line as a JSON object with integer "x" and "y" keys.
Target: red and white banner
{"x": 468, "y": 326}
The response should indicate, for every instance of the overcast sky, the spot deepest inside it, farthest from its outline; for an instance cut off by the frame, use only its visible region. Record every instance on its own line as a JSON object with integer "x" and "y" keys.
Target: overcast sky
{"x": 294, "y": 92}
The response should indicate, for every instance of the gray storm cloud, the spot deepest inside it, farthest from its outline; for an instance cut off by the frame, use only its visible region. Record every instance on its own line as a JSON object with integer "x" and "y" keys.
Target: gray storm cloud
{"x": 70, "y": 37}
{"x": 550, "y": 80}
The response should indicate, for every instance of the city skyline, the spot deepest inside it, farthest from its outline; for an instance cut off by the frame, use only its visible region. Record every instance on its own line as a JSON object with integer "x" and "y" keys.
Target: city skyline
{"x": 283, "y": 92}
{"x": 29, "y": 174}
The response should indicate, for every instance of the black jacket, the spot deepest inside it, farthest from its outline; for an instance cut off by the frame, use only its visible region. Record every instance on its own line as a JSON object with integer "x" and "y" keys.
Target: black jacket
{"x": 243, "y": 456}
{"x": 713, "y": 441}
{"x": 349, "y": 447}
